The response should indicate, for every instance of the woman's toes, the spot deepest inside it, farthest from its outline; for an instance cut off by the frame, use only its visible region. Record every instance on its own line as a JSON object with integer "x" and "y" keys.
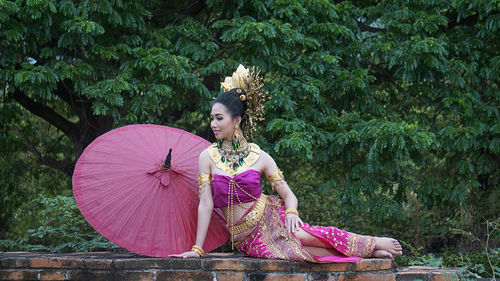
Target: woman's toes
{"x": 396, "y": 244}
{"x": 382, "y": 254}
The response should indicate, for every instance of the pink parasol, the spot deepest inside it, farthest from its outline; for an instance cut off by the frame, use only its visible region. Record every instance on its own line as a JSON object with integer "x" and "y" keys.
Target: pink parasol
{"x": 137, "y": 186}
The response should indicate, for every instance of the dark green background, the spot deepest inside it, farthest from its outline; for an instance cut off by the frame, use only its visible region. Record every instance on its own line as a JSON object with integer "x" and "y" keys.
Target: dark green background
{"x": 384, "y": 115}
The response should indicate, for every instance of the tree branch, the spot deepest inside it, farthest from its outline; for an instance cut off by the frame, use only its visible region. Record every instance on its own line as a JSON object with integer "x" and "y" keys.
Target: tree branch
{"x": 65, "y": 167}
{"x": 386, "y": 73}
{"x": 469, "y": 21}
{"x": 368, "y": 28}
{"x": 77, "y": 103}
{"x": 45, "y": 112}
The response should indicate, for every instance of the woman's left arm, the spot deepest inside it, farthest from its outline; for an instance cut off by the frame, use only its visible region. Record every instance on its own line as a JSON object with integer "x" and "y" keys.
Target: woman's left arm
{"x": 277, "y": 181}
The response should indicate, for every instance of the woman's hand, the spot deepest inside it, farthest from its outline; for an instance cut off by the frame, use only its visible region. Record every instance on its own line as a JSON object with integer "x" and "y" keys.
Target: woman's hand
{"x": 292, "y": 222}
{"x": 189, "y": 254}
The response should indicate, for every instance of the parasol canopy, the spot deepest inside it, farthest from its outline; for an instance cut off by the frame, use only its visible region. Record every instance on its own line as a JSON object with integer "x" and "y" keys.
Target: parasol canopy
{"x": 137, "y": 186}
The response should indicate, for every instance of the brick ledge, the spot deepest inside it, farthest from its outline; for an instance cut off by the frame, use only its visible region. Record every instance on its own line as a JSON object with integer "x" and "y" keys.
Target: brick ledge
{"x": 216, "y": 266}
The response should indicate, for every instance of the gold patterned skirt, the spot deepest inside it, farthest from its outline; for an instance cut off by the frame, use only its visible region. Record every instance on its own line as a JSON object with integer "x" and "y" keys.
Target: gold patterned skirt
{"x": 262, "y": 233}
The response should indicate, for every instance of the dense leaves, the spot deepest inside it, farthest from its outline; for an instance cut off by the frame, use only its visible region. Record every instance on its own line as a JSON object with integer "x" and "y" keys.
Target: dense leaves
{"x": 59, "y": 228}
{"x": 389, "y": 107}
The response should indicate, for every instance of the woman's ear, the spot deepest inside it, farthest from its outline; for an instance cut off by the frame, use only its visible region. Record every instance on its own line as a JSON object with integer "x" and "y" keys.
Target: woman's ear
{"x": 237, "y": 120}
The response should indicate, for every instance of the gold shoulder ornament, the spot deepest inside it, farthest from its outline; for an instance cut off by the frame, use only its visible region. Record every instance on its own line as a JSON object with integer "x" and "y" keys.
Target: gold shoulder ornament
{"x": 203, "y": 181}
{"x": 277, "y": 180}
{"x": 249, "y": 160}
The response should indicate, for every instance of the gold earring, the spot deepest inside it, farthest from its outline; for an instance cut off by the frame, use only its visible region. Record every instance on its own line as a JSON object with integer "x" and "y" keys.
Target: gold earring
{"x": 236, "y": 138}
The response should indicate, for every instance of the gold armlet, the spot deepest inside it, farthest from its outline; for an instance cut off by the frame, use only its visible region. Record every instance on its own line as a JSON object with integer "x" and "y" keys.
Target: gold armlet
{"x": 277, "y": 180}
{"x": 202, "y": 178}
{"x": 276, "y": 176}
{"x": 201, "y": 188}
{"x": 279, "y": 184}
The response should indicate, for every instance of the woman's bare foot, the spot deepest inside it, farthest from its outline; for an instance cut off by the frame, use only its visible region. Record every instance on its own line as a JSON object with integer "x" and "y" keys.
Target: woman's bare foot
{"x": 387, "y": 248}
{"x": 382, "y": 254}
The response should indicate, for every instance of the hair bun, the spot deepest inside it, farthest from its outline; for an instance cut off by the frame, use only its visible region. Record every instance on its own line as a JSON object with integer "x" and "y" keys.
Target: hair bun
{"x": 249, "y": 89}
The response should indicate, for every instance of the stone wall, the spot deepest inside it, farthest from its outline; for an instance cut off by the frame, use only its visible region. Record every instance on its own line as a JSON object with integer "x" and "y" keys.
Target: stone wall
{"x": 217, "y": 266}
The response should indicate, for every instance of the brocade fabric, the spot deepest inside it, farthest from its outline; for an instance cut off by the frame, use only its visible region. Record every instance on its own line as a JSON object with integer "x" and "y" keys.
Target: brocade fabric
{"x": 269, "y": 238}
{"x": 261, "y": 232}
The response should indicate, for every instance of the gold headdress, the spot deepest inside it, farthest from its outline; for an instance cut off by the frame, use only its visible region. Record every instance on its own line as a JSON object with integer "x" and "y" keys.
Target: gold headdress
{"x": 250, "y": 82}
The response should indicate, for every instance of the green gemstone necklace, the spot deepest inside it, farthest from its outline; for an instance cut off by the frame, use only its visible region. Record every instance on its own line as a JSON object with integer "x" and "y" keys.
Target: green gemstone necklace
{"x": 234, "y": 158}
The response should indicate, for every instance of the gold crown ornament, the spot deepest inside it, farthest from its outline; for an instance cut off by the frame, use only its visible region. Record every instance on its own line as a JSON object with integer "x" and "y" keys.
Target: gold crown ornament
{"x": 250, "y": 81}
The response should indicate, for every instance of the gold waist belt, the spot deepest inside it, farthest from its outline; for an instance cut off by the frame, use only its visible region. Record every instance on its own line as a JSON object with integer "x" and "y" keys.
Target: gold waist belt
{"x": 252, "y": 217}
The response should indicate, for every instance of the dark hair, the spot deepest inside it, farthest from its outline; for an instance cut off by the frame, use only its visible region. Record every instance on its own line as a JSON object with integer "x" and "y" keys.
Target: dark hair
{"x": 231, "y": 99}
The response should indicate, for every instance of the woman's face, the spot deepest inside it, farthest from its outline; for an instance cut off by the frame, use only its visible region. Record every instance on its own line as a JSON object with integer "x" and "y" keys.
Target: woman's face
{"x": 221, "y": 122}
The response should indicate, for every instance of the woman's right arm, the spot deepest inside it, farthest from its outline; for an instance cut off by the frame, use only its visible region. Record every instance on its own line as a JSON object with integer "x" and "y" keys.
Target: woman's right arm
{"x": 205, "y": 208}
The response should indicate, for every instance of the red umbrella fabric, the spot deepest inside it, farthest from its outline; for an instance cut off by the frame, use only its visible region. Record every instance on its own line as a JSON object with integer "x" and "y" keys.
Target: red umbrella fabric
{"x": 127, "y": 195}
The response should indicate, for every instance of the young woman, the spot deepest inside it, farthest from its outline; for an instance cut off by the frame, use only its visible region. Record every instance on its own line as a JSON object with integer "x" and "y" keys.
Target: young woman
{"x": 261, "y": 225}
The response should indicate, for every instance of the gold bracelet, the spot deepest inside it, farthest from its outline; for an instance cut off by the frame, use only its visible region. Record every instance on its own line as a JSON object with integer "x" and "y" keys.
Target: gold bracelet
{"x": 291, "y": 211}
{"x": 198, "y": 250}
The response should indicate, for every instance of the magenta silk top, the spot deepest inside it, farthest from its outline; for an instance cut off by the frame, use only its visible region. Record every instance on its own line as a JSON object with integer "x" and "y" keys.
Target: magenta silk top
{"x": 248, "y": 180}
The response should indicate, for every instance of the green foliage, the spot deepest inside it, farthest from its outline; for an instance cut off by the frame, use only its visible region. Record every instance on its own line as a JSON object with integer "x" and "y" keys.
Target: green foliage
{"x": 384, "y": 114}
{"x": 414, "y": 256}
{"x": 53, "y": 224}
{"x": 21, "y": 177}
{"x": 478, "y": 263}
{"x": 483, "y": 263}
{"x": 470, "y": 266}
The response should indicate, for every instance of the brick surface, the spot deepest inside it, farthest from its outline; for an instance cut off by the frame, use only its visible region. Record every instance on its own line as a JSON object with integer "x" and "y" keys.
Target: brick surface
{"x": 217, "y": 266}
{"x": 230, "y": 264}
{"x": 321, "y": 276}
{"x": 140, "y": 276}
{"x": 413, "y": 275}
{"x": 56, "y": 262}
{"x": 18, "y": 274}
{"x": 327, "y": 267}
{"x": 258, "y": 276}
{"x": 184, "y": 275}
{"x": 230, "y": 276}
{"x": 141, "y": 263}
{"x": 366, "y": 277}
{"x": 97, "y": 263}
{"x": 372, "y": 264}
{"x": 419, "y": 267}
{"x": 276, "y": 265}
{"x": 96, "y": 275}
{"x": 446, "y": 276}
{"x": 178, "y": 263}
{"x": 52, "y": 275}
{"x": 14, "y": 262}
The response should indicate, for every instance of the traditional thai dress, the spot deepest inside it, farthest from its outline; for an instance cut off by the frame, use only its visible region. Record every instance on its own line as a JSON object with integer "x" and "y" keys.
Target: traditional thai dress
{"x": 261, "y": 232}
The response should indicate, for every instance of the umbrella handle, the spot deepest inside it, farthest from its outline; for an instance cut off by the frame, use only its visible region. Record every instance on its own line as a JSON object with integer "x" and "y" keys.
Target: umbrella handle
{"x": 168, "y": 159}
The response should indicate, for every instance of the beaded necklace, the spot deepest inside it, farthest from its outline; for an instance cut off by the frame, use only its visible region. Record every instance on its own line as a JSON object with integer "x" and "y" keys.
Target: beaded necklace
{"x": 230, "y": 207}
{"x": 233, "y": 158}
{"x": 219, "y": 153}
